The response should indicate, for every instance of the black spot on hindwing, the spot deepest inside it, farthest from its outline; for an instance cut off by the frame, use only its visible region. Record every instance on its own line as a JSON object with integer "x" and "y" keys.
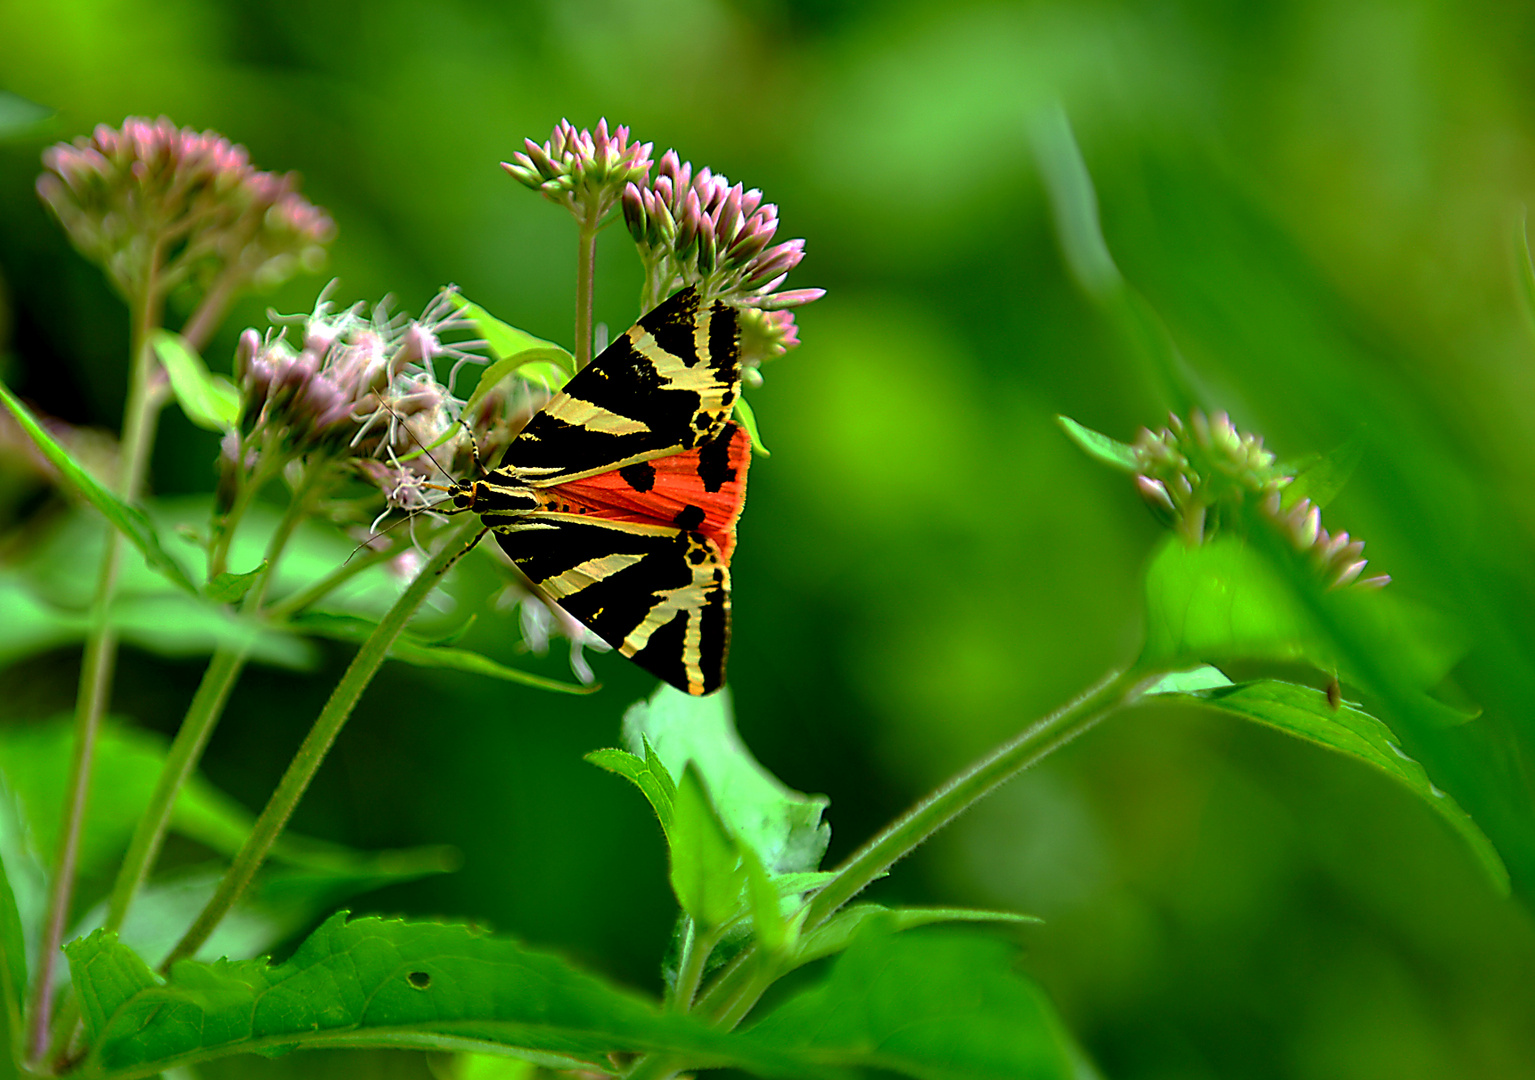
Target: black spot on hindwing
{"x": 689, "y": 517}
{"x": 641, "y": 476}
{"x": 714, "y": 467}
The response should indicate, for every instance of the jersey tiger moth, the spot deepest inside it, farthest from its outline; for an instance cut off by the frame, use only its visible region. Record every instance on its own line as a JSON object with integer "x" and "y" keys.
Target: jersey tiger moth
{"x": 619, "y": 498}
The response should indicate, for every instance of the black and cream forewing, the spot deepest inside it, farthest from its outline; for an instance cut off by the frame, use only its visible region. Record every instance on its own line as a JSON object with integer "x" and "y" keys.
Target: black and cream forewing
{"x": 666, "y": 385}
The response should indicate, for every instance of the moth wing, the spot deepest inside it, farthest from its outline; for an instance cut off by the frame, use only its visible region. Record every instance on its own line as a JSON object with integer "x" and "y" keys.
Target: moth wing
{"x": 666, "y": 385}
{"x": 659, "y": 595}
{"x": 702, "y": 489}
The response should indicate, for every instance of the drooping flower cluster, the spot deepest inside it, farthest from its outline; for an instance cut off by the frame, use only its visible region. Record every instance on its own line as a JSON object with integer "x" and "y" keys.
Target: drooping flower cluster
{"x": 360, "y": 385}
{"x": 583, "y": 171}
{"x": 361, "y": 392}
{"x": 154, "y": 204}
{"x": 1197, "y": 475}
{"x": 700, "y": 229}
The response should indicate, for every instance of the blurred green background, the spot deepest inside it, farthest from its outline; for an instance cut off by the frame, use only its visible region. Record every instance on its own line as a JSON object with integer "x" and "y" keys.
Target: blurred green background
{"x": 1320, "y": 200}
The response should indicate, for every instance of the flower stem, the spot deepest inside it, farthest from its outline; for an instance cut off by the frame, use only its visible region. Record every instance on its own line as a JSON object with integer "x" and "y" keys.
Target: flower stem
{"x": 326, "y": 727}
{"x": 144, "y": 400}
{"x": 586, "y": 263}
{"x": 700, "y": 943}
{"x": 197, "y": 726}
{"x": 902, "y": 836}
{"x": 215, "y": 305}
{"x": 294, "y": 604}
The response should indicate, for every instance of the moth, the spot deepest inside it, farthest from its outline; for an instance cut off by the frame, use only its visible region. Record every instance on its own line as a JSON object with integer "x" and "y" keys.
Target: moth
{"x": 619, "y": 499}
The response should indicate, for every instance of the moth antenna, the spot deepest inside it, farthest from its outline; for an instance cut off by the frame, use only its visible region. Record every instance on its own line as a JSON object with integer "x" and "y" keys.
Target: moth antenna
{"x": 474, "y": 447}
{"x": 374, "y": 533}
{"x": 418, "y": 442}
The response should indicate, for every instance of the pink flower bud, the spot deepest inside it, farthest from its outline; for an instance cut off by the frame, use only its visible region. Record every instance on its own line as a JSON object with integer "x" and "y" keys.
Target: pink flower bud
{"x": 249, "y": 345}
{"x": 635, "y": 218}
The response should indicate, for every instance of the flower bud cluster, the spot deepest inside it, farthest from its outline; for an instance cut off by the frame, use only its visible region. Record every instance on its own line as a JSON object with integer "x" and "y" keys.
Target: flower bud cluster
{"x": 1197, "y": 475}
{"x": 583, "y": 171}
{"x": 150, "y": 200}
{"x": 358, "y": 386}
{"x": 1337, "y": 559}
{"x": 700, "y": 229}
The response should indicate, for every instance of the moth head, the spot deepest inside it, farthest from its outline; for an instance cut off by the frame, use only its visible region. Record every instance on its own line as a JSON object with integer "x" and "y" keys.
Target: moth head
{"x": 464, "y": 495}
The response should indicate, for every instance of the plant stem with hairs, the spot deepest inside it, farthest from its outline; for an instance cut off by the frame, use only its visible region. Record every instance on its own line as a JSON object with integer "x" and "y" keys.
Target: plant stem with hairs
{"x": 145, "y": 397}
{"x": 306, "y": 762}
{"x": 586, "y": 264}
{"x": 203, "y": 715}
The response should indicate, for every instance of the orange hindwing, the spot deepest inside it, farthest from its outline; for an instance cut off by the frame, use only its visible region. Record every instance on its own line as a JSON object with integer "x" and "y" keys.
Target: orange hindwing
{"x": 698, "y": 490}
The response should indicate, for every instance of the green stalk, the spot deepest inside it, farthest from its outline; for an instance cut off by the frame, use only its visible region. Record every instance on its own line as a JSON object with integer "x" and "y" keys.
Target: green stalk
{"x": 738, "y": 988}
{"x": 586, "y": 264}
{"x": 902, "y": 837}
{"x": 291, "y": 605}
{"x": 202, "y": 717}
{"x": 317, "y": 743}
{"x": 99, "y": 660}
{"x": 691, "y": 971}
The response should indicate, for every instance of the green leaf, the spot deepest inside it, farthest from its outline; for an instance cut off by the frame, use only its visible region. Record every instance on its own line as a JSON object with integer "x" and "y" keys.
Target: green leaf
{"x": 34, "y": 768}
{"x": 935, "y": 1006}
{"x": 381, "y": 983}
{"x": 19, "y": 117}
{"x": 13, "y": 948}
{"x": 542, "y": 365}
{"x": 513, "y": 349}
{"x": 1305, "y": 713}
{"x": 209, "y": 400}
{"x": 1320, "y": 478}
{"x": 1188, "y": 682}
{"x": 748, "y": 420}
{"x": 1222, "y": 599}
{"x": 838, "y": 932}
{"x": 546, "y": 373}
{"x": 503, "y": 339}
{"x": 646, "y": 773}
{"x": 230, "y": 587}
{"x": 412, "y": 649}
{"x": 129, "y": 520}
{"x": 781, "y": 825}
{"x": 284, "y": 901}
{"x": 769, "y": 925}
{"x": 1111, "y": 452}
{"x": 706, "y": 874}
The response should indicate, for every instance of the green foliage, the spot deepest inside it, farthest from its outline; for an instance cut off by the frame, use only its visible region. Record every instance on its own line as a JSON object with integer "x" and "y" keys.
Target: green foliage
{"x": 646, "y": 773}
{"x": 1306, "y": 713}
{"x": 1100, "y": 447}
{"x": 375, "y": 982}
{"x": 285, "y": 901}
{"x": 34, "y": 766}
{"x": 839, "y": 931}
{"x": 782, "y": 826}
{"x": 707, "y": 874}
{"x": 420, "y": 652}
{"x": 20, "y": 118}
{"x": 515, "y": 351}
{"x": 128, "y": 520}
{"x": 210, "y": 401}
{"x": 748, "y": 420}
{"x": 13, "y": 948}
{"x": 230, "y": 587}
{"x": 935, "y": 1006}
{"x": 1321, "y": 477}
{"x": 1252, "y": 598}
{"x": 1222, "y": 599}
